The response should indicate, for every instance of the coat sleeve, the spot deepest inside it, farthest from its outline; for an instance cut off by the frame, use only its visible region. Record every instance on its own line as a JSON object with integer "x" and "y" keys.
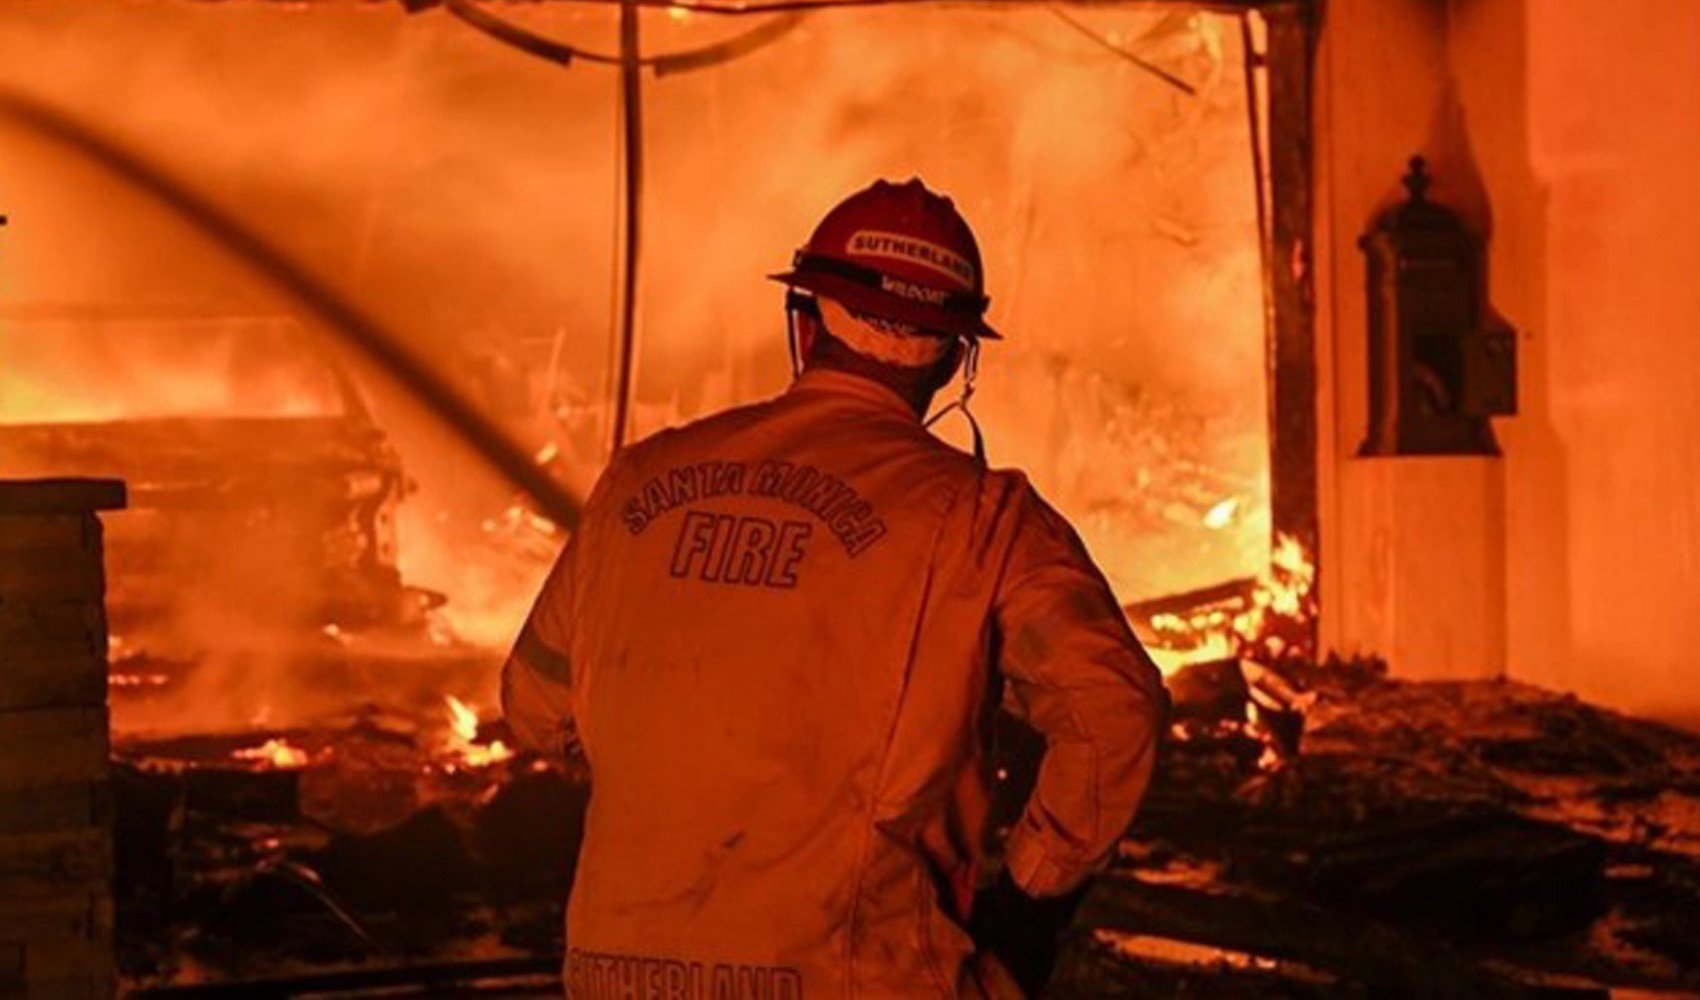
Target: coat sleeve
{"x": 1085, "y": 682}
{"x": 537, "y": 676}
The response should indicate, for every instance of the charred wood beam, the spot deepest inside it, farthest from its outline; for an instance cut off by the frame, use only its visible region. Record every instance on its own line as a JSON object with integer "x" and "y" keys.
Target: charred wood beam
{"x": 1116, "y": 50}
{"x": 1238, "y": 592}
{"x": 562, "y": 54}
{"x": 1292, "y": 37}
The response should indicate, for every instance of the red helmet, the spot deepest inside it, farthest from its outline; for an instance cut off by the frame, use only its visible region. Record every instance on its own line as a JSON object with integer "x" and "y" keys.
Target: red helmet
{"x": 900, "y": 252}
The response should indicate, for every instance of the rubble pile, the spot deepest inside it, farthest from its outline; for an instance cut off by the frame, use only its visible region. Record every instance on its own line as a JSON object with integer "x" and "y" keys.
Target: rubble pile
{"x": 383, "y": 842}
{"x": 1476, "y": 838}
{"x": 1312, "y": 831}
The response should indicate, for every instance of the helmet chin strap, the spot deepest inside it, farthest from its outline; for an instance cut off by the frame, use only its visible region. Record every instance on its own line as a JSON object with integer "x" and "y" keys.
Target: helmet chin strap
{"x": 970, "y": 370}
{"x": 795, "y": 303}
{"x": 791, "y": 342}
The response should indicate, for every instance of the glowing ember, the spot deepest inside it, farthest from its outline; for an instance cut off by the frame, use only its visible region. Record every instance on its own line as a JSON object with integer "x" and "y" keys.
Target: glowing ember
{"x": 138, "y": 680}
{"x": 1222, "y": 515}
{"x": 463, "y": 742}
{"x": 462, "y": 719}
{"x": 1170, "y": 660}
{"x": 1282, "y": 605}
{"x": 518, "y": 517}
{"x": 440, "y": 632}
{"x": 276, "y": 753}
{"x": 1286, "y": 590}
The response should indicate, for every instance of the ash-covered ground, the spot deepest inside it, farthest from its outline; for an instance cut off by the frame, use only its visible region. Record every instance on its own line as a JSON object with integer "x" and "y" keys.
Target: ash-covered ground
{"x": 1436, "y": 839}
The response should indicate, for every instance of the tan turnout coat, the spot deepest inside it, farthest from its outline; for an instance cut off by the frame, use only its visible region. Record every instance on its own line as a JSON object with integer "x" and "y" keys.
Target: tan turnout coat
{"x": 775, "y": 637}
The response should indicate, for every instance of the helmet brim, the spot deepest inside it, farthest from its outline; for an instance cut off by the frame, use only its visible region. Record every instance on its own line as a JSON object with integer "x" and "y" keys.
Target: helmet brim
{"x": 856, "y": 296}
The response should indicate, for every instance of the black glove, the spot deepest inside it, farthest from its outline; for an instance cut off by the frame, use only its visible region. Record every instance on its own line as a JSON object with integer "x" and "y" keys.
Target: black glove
{"x": 1023, "y": 933}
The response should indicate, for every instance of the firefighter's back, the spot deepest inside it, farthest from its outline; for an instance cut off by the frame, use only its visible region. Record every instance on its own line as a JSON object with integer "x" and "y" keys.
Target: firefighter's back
{"x": 747, "y": 605}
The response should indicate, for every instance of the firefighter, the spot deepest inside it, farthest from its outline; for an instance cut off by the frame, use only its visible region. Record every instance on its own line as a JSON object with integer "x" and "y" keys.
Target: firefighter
{"x": 777, "y": 637}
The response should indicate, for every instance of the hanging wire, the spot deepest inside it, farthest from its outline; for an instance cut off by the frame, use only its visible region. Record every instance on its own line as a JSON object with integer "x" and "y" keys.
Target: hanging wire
{"x": 784, "y": 6}
{"x": 1254, "y": 61}
{"x": 631, "y": 62}
{"x": 1111, "y": 47}
{"x": 736, "y": 47}
{"x": 562, "y": 54}
{"x": 524, "y": 39}
{"x": 631, "y": 132}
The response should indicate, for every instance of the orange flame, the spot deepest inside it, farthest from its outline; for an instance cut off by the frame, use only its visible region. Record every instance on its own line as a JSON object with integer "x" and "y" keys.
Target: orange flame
{"x": 1282, "y": 593}
{"x": 278, "y": 753}
{"x": 463, "y": 720}
{"x": 1279, "y": 608}
{"x": 1222, "y": 515}
{"x": 463, "y": 739}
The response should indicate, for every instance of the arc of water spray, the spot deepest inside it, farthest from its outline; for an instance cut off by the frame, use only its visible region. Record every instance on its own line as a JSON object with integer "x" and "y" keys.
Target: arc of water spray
{"x": 344, "y": 318}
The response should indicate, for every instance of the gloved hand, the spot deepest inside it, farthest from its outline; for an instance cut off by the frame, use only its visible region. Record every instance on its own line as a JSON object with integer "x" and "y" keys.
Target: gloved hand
{"x": 1023, "y": 933}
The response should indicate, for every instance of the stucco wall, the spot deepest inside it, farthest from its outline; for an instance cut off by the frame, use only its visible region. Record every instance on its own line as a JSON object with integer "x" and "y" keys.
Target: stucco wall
{"x": 1592, "y": 161}
{"x": 1434, "y": 607}
{"x": 1569, "y": 131}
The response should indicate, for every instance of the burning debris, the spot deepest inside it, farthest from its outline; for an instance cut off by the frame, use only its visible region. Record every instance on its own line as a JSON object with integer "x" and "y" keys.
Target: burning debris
{"x": 242, "y": 448}
{"x": 1487, "y": 835}
{"x": 258, "y": 561}
{"x": 276, "y": 753}
{"x": 1319, "y": 829}
{"x": 1270, "y": 618}
{"x": 382, "y": 841}
{"x": 464, "y": 745}
{"x": 1229, "y": 655}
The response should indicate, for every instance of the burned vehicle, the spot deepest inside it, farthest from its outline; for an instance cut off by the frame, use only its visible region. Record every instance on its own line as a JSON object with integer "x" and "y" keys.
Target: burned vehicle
{"x": 262, "y": 495}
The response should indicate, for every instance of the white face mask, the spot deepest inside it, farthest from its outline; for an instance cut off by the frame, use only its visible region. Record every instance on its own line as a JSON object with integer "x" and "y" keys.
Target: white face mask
{"x": 891, "y": 343}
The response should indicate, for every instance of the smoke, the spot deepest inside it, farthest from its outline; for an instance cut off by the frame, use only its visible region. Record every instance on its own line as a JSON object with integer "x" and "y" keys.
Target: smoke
{"x": 465, "y": 193}
{"x": 1117, "y": 218}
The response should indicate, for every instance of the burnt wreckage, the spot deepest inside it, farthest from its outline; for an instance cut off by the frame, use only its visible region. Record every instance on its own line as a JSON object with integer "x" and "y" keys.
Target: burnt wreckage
{"x": 277, "y": 520}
